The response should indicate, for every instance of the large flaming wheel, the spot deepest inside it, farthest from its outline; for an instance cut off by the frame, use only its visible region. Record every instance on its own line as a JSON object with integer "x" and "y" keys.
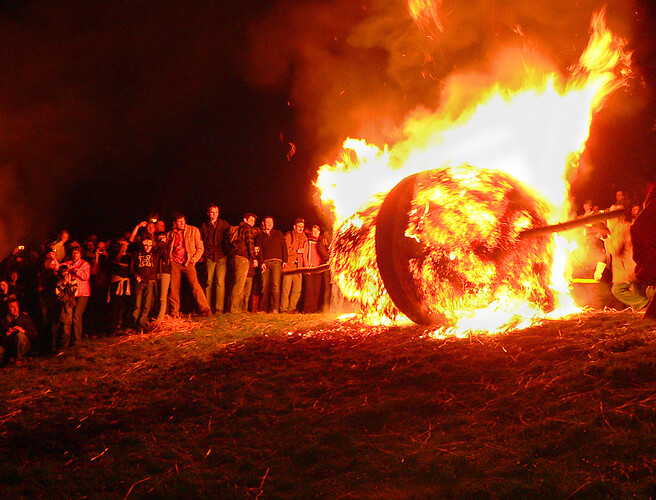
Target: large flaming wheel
{"x": 394, "y": 250}
{"x": 448, "y": 243}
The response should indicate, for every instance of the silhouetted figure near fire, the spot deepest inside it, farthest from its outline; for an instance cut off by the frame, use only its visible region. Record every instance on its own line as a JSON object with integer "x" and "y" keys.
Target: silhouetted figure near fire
{"x": 643, "y": 235}
{"x": 625, "y": 284}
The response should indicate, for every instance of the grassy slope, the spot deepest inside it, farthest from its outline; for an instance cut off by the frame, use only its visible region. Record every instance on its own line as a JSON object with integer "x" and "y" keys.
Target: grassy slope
{"x": 303, "y": 406}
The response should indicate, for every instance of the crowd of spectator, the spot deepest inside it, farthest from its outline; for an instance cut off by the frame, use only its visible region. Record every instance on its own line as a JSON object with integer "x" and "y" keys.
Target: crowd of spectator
{"x": 610, "y": 259}
{"x": 53, "y": 297}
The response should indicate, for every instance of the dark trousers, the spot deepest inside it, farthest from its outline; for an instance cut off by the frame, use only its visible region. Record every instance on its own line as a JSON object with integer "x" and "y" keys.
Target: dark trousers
{"x": 71, "y": 316}
{"x": 177, "y": 270}
{"x": 143, "y": 302}
{"x": 312, "y": 289}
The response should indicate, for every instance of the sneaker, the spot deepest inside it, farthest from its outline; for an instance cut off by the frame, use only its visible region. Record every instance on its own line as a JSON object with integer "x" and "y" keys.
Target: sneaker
{"x": 207, "y": 313}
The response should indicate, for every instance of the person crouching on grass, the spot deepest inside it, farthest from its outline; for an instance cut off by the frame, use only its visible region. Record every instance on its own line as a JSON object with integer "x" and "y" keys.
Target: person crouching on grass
{"x": 18, "y": 332}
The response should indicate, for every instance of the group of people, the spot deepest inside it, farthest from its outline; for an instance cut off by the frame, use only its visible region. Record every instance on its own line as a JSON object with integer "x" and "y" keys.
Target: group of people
{"x": 624, "y": 249}
{"x": 54, "y": 296}
{"x": 68, "y": 290}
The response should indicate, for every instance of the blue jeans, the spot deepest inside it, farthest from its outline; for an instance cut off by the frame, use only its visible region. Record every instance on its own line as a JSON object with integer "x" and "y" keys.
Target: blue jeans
{"x": 292, "y": 284}
{"x": 216, "y": 273}
{"x": 241, "y": 273}
{"x": 143, "y": 302}
{"x": 271, "y": 285}
{"x": 163, "y": 285}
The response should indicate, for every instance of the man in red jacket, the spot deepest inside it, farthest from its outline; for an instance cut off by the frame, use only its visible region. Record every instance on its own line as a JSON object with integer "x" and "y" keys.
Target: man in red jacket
{"x": 186, "y": 249}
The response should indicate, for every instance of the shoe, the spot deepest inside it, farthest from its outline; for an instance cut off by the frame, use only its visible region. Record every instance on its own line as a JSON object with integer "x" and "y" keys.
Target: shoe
{"x": 275, "y": 311}
{"x": 207, "y": 313}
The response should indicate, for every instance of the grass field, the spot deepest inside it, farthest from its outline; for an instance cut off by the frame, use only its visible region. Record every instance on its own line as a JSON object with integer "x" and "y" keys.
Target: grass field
{"x": 295, "y": 406}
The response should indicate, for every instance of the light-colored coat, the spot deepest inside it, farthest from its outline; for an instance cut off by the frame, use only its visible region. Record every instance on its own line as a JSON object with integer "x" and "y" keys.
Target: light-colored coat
{"x": 193, "y": 244}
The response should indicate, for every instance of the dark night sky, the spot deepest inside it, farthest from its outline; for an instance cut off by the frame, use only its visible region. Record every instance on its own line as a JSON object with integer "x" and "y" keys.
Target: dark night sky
{"x": 109, "y": 110}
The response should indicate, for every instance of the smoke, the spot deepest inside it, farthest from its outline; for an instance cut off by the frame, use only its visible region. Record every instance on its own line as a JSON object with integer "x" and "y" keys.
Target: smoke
{"x": 360, "y": 68}
{"x": 98, "y": 105}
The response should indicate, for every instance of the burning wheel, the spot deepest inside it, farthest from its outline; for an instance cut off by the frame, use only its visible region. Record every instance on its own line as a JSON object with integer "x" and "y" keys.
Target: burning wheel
{"x": 448, "y": 243}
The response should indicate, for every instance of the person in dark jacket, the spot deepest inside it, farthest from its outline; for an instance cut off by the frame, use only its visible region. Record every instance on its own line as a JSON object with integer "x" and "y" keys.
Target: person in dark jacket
{"x": 18, "y": 332}
{"x": 273, "y": 259}
{"x": 643, "y": 237}
{"x": 244, "y": 258}
{"x": 213, "y": 233}
{"x": 143, "y": 268}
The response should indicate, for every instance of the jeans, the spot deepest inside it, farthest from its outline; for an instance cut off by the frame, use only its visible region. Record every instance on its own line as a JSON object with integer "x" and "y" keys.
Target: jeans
{"x": 71, "y": 315}
{"x": 292, "y": 285}
{"x": 241, "y": 273}
{"x": 216, "y": 273}
{"x": 628, "y": 293}
{"x": 15, "y": 346}
{"x": 271, "y": 280}
{"x": 143, "y": 302}
{"x": 163, "y": 285}
{"x": 312, "y": 286}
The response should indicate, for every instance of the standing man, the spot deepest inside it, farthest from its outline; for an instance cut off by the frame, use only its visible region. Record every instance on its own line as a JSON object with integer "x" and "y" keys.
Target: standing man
{"x": 186, "y": 248}
{"x": 293, "y": 283}
{"x": 244, "y": 249}
{"x": 273, "y": 259}
{"x": 214, "y": 233}
{"x": 60, "y": 247}
{"x": 315, "y": 253}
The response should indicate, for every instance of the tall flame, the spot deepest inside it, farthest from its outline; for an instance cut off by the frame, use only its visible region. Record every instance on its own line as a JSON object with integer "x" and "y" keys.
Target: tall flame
{"x": 535, "y": 131}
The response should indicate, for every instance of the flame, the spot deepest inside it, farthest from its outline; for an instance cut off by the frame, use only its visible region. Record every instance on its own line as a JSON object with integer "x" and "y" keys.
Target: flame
{"x": 533, "y": 128}
{"x": 424, "y": 13}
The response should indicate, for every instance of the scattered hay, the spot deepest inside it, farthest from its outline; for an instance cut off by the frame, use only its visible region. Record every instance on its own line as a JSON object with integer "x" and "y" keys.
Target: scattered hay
{"x": 314, "y": 405}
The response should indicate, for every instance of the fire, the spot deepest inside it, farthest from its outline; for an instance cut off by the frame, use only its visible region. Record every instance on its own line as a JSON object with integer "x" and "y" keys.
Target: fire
{"x": 424, "y": 12}
{"x": 531, "y": 128}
